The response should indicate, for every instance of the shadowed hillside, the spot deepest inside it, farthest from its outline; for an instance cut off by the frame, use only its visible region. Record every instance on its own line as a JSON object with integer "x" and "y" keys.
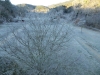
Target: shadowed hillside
{"x": 85, "y": 12}
{"x": 7, "y": 11}
{"x": 89, "y": 10}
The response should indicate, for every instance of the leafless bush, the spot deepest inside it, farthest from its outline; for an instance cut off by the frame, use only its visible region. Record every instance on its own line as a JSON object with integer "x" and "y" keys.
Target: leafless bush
{"x": 8, "y": 66}
{"x": 36, "y": 46}
{"x": 93, "y": 20}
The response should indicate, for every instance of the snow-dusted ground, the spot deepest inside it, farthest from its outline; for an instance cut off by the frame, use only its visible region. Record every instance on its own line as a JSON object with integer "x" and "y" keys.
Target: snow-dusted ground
{"x": 84, "y": 49}
{"x": 78, "y": 56}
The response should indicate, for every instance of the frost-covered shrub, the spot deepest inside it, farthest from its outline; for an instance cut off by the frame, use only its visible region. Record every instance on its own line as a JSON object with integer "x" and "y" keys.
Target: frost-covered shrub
{"x": 36, "y": 47}
{"x": 1, "y": 21}
{"x": 7, "y": 10}
{"x": 93, "y": 20}
{"x": 9, "y": 66}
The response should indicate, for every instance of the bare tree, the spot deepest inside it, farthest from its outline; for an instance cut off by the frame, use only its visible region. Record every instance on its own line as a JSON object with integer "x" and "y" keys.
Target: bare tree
{"x": 37, "y": 44}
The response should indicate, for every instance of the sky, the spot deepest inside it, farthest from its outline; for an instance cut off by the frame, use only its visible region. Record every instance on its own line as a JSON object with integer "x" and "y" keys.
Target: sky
{"x": 37, "y": 2}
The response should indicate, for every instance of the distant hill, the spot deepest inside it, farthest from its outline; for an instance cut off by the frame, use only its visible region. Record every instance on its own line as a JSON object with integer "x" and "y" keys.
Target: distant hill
{"x": 27, "y": 7}
{"x": 41, "y": 8}
{"x": 33, "y": 8}
{"x": 84, "y": 4}
{"x": 87, "y": 3}
{"x": 66, "y": 3}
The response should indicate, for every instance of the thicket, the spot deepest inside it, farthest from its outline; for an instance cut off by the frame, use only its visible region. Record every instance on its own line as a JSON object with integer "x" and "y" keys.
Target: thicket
{"x": 7, "y": 10}
{"x": 8, "y": 66}
{"x": 89, "y": 10}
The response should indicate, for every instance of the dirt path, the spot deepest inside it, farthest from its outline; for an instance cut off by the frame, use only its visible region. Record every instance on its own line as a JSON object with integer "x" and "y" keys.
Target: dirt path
{"x": 89, "y": 40}
{"x": 89, "y": 48}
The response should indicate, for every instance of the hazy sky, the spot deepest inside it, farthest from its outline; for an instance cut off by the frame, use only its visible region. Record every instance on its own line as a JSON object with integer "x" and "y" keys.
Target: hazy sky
{"x": 37, "y": 2}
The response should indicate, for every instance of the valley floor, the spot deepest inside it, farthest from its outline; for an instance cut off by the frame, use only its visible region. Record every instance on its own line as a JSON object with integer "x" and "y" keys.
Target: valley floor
{"x": 82, "y": 53}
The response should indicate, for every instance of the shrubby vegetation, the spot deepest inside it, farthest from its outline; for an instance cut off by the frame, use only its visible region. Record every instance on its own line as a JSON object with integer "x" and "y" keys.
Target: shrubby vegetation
{"x": 89, "y": 10}
{"x": 93, "y": 20}
{"x": 8, "y": 11}
{"x": 38, "y": 45}
{"x": 8, "y": 66}
{"x": 37, "y": 48}
{"x": 41, "y": 47}
{"x": 79, "y": 9}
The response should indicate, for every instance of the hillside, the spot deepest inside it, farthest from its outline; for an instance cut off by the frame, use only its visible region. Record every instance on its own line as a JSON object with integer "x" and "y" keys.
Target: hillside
{"x": 26, "y": 7}
{"x": 84, "y": 3}
{"x": 89, "y": 10}
{"x": 85, "y": 12}
{"x": 67, "y": 4}
{"x": 50, "y": 43}
{"x": 41, "y": 9}
{"x": 7, "y": 11}
{"x": 81, "y": 4}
